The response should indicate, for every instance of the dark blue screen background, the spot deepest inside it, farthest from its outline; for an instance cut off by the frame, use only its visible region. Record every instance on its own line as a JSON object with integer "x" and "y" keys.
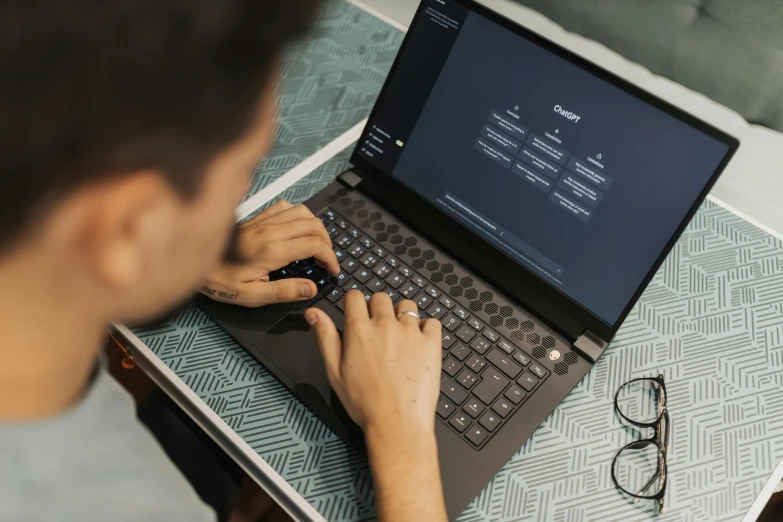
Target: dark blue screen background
{"x": 658, "y": 164}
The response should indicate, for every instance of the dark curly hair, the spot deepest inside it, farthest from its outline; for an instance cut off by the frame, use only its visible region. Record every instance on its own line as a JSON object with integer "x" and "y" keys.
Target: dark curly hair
{"x": 89, "y": 88}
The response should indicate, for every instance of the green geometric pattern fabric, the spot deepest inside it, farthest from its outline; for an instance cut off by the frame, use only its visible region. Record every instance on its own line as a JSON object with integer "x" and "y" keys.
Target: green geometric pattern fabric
{"x": 711, "y": 321}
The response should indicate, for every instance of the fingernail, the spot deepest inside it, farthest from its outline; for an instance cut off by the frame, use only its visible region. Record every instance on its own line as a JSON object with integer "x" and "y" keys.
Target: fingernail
{"x": 306, "y": 292}
{"x": 311, "y": 318}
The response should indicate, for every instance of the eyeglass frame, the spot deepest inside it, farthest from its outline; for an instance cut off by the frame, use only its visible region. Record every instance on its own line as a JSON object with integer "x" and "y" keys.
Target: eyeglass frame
{"x": 662, "y": 443}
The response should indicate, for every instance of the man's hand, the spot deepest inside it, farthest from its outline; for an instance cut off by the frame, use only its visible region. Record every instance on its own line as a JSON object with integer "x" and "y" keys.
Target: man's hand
{"x": 386, "y": 372}
{"x": 279, "y": 235}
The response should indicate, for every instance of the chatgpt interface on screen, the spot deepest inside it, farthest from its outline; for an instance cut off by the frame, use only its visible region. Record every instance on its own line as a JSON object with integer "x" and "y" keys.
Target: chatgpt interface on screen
{"x": 577, "y": 180}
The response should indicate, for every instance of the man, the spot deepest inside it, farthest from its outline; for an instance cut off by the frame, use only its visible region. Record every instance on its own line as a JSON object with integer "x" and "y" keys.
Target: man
{"x": 127, "y": 132}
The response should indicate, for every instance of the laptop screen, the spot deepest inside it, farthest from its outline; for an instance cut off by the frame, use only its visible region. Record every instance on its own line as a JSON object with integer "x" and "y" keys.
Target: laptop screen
{"x": 577, "y": 180}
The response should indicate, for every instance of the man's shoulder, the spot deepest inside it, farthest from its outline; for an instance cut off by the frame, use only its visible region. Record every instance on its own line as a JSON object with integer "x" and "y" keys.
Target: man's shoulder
{"x": 95, "y": 461}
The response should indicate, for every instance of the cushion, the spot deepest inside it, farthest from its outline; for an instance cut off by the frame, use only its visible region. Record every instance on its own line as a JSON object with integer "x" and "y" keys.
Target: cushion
{"x": 729, "y": 50}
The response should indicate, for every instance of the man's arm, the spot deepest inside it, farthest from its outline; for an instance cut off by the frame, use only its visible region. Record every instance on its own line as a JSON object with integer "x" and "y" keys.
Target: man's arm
{"x": 386, "y": 372}
{"x": 406, "y": 475}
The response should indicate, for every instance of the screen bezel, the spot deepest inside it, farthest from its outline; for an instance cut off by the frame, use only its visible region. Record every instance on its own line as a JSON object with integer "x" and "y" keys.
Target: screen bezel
{"x": 516, "y": 280}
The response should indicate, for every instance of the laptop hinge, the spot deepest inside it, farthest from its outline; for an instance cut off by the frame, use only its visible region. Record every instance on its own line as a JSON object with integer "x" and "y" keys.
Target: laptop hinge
{"x": 349, "y": 178}
{"x": 590, "y": 346}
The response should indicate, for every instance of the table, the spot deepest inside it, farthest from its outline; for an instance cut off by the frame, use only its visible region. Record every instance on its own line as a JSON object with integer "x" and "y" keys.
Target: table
{"x": 711, "y": 322}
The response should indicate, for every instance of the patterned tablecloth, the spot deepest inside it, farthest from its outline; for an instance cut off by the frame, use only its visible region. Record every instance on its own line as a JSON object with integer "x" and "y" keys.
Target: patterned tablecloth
{"x": 711, "y": 321}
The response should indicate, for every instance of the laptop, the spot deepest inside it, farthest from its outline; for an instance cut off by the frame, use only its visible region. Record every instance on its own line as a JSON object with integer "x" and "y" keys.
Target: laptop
{"x": 516, "y": 192}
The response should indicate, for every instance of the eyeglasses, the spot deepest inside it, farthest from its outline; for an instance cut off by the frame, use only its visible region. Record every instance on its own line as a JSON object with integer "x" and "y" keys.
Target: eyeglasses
{"x": 639, "y": 468}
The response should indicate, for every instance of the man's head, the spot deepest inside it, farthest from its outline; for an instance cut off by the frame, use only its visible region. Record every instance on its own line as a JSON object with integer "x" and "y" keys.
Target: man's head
{"x": 128, "y": 131}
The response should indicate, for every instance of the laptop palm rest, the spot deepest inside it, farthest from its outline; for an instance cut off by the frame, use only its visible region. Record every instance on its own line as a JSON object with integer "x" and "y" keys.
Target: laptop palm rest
{"x": 290, "y": 346}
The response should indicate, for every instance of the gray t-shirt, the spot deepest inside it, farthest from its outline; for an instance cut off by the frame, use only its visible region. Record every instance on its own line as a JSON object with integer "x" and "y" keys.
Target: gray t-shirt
{"x": 95, "y": 462}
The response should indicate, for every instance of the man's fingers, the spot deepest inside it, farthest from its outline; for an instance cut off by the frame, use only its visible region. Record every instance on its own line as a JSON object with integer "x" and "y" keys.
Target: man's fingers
{"x": 328, "y": 341}
{"x": 405, "y": 311}
{"x": 432, "y": 329}
{"x": 295, "y": 229}
{"x": 355, "y": 307}
{"x": 282, "y": 291}
{"x": 283, "y": 252}
{"x": 287, "y": 215}
{"x": 381, "y": 306}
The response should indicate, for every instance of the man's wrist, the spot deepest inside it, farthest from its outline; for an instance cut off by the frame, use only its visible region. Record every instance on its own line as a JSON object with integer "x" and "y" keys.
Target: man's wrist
{"x": 400, "y": 437}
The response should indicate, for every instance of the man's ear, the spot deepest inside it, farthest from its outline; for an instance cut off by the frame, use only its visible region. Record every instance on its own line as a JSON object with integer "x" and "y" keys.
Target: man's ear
{"x": 120, "y": 224}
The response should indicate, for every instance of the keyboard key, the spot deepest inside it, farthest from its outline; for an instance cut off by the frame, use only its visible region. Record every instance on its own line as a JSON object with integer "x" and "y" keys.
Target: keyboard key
{"x": 447, "y": 340}
{"x": 340, "y": 222}
{"x": 362, "y": 275}
{"x": 475, "y": 363}
{"x": 423, "y": 301}
{"x": 393, "y": 294}
{"x": 445, "y": 408}
{"x": 393, "y": 262}
{"x": 323, "y": 284}
{"x": 434, "y": 292}
{"x": 476, "y": 435}
{"x": 405, "y": 271}
{"x": 357, "y": 251}
{"x": 376, "y": 285}
{"x": 353, "y": 286}
{"x": 334, "y": 295}
{"x": 436, "y": 311}
{"x": 503, "y": 362}
{"x": 521, "y": 357}
{"x": 475, "y": 324}
{"x": 480, "y": 346}
{"x": 447, "y": 302}
{"x": 395, "y": 280}
{"x": 382, "y": 270}
{"x": 467, "y": 379}
{"x": 341, "y": 279}
{"x": 367, "y": 295}
{"x": 527, "y": 381}
{"x": 452, "y": 390}
{"x": 506, "y": 346}
{"x": 491, "y": 385}
{"x": 344, "y": 241}
{"x": 460, "y": 422}
{"x": 460, "y": 351}
{"x": 409, "y": 291}
{"x": 418, "y": 281}
{"x": 339, "y": 254}
{"x": 332, "y": 230}
{"x": 450, "y": 323}
{"x": 461, "y": 313}
{"x": 379, "y": 251}
{"x": 491, "y": 335}
{"x": 538, "y": 371}
{"x": 350, "y": 265}
{"x": 366, "y": 242}
{"x": 502, "y": 407}
{"x": 451, "y": 367}
{"x": 354, "y": 232}
{"x": 466, "y": 334}
{"x": 515, "y": 394}
{"x": 369, "y": 260}
{"x": 329, "y": 214}
{"x": 490, "y": 421}
{"x": 473, "y": 407}
{"x": 283, "y": 273}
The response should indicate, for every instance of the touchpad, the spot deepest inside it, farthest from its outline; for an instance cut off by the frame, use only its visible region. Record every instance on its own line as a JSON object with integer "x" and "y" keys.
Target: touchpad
{"x": 290, "y": 345}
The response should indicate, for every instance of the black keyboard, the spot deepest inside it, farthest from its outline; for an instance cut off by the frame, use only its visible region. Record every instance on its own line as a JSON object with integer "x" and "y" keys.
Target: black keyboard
{"x": 485, "y": 378}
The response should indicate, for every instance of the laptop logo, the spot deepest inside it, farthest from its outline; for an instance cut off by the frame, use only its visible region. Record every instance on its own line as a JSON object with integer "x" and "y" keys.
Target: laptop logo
{"x": 554, "y": 355}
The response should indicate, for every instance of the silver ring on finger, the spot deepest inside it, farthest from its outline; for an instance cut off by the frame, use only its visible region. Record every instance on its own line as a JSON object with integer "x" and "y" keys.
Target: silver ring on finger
{"x": 407, "y": 312}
